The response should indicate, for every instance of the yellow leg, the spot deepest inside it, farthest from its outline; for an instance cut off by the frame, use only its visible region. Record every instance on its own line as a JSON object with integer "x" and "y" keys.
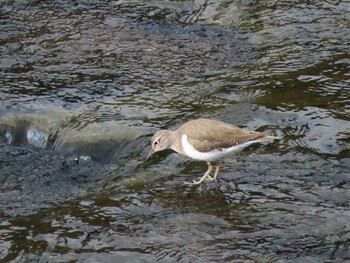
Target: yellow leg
{"x": 216, "y": 172}
{"x": 217, "y": 169}
{"x": 210, "y": 168}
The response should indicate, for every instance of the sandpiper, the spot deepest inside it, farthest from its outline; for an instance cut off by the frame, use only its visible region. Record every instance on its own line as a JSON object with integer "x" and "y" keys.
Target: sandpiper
{"x": 206, "y": 140}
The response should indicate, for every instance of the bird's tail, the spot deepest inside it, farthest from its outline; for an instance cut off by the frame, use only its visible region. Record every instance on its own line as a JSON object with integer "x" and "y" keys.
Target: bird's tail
{"x": 267, "y": 138}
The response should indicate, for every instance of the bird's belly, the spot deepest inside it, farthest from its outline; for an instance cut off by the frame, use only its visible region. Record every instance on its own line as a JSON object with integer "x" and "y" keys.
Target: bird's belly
{"x": 214, "y": 155}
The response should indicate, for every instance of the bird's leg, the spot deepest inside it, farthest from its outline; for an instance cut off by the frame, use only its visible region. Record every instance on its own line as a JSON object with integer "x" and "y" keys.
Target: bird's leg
{"x": 210, "y": 168}
{"x": 217, "y": 169}
{"x": 216, "y": 172}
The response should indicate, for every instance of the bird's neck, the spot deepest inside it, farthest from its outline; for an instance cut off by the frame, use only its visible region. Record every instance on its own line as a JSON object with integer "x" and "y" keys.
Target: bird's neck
{"x": 176, "y": 143}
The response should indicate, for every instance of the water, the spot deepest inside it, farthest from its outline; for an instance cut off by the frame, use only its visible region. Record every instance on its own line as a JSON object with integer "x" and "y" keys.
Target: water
{"x": 86, "y": 84}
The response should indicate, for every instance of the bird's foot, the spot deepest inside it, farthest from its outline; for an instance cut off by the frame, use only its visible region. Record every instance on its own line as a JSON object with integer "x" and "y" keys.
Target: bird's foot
{"x": 207, "y": 179}
{"x": 195, "y": 182}
{"x": 210, "y": 179}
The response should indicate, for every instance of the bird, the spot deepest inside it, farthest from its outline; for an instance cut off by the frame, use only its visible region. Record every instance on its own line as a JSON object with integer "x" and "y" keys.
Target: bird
{"x": 206, "y": 140}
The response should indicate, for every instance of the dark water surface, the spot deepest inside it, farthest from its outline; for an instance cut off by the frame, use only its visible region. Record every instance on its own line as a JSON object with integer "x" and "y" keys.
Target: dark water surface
{"x": 83, "y": 84}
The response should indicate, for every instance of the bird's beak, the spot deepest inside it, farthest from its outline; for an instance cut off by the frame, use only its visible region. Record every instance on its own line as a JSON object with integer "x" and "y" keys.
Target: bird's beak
{"x": 150, "y": 154}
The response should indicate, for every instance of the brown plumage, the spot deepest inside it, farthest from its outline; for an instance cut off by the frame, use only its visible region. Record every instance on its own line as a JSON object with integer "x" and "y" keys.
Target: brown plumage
{"x": 206, "y": 134}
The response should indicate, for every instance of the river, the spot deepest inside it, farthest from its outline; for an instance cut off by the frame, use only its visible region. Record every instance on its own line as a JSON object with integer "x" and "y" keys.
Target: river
{"x": 84, "y": 84}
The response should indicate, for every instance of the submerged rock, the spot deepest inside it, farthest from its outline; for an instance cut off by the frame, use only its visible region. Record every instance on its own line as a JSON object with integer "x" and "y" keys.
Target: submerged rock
{"x": 65, "y": 133}
{"x": 32, "y": 178}
{"x": 104, "y": 142}
{"x": 49, "y": 157}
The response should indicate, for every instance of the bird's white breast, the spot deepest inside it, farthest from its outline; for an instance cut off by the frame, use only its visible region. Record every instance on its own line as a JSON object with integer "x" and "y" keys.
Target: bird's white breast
{"x": 190, "y": 151}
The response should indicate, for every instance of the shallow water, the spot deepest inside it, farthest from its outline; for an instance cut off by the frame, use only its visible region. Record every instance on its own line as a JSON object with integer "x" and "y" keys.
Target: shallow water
{"x": 86, "y": 83}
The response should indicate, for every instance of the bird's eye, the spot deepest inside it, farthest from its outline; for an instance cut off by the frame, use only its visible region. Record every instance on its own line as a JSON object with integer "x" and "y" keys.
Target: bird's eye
{"x": 155, "y": 143}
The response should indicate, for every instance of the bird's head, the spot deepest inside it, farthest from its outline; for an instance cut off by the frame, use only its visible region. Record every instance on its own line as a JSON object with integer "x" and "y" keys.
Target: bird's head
{"x": 160, "y": 142}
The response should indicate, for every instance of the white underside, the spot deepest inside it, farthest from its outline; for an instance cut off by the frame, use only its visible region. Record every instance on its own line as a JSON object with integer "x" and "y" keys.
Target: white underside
{"x": 190, "y": 151}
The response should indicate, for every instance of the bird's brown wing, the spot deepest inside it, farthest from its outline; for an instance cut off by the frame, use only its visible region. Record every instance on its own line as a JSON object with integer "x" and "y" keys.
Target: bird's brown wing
{"x": 206, "y": 134}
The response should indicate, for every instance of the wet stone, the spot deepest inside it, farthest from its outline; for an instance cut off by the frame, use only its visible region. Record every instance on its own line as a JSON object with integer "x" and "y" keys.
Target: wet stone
{"x": 32, "y": 178}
